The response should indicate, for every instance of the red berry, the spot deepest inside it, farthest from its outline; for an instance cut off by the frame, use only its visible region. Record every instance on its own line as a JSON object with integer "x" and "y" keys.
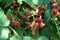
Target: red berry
{"x": 52, "y": 1}
{"x": 20, "y": 20}
{"x": 32, "y": 25}
{"x": 16, "y": 12}
{"x": 29, "y": 25}
{"x": 13, "y": 23}
{"x": 39, "y": 13}
{"x": 27, "y": 14}
{"x": 14, "y": 5}
{"x": 40, "y": 8}
{"x": 17, "y": 24}
{"x": 38, "y": 20}
{"x": 10, "y": 17}
{"x": 41, "y": 25}
{"x": 54, "y": 11}
{"x": 27, "y": 19}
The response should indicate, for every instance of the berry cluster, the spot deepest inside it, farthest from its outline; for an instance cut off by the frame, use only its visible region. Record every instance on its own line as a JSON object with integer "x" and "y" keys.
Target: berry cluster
{"x": 18, "y": 20}
{"x": 14, "y": 23}
{"x": 56, "y": 8}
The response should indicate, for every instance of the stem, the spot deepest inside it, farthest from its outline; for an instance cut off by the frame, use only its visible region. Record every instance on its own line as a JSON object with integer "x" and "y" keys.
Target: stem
{"x": 55, "y": 24}
{"x": 35, "y": 27}
{"x": 15, "y": 32}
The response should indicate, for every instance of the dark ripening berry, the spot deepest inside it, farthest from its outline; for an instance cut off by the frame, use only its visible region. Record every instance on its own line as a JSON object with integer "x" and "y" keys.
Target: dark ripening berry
{"x": 16, "y": 12}
{"x": 54, "y": 11}
{"x": 36, "y": 19}
{"x": 14, "y": 5}
{"x": 39, "y": 13}
{"x": 40, "y": 8}
{"x": 40, "y": 20}
{"x": 10, "y": 17}
{"x": 55, "y": 15}
{"x": 41, "y": 25}
{"x": 27, "y": 14}
{"x": 13, "y": 23}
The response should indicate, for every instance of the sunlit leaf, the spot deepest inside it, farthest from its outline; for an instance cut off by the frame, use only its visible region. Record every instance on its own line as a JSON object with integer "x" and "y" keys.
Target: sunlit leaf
{"x": 3, "y": 19}
{"x": 43, "y": 38}
{"x": 4, "y": 33}
{"x": 30, "y": 3}
{"x": 14, "y": 38}
{"x": 27, "y": 37}
{"x": 8, "y": 3}
{"x": 19, "y": 1}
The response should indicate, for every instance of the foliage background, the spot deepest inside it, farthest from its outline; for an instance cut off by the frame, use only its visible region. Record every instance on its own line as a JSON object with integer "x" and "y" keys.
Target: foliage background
{"x": 50, "y": 32}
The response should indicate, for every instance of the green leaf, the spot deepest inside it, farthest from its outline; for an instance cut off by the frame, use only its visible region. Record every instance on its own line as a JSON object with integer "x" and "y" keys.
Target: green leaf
{"x": 0, "y": 0}
{"x": 26, "y": 10}
{"x": 46, "y": 2}
{"x": 43, "y": 38}
{"x": 4, "y": 33}
{"x": 3, "y": 19}
{"x": 47, "y": 14}
{"x": 27, "y": 37}
{"x": 9, "y": 12}
{"x": 19, "y": 1}
{"x": 16, "y": 34}
{"x": 41, "y": 2}
{"x": 30, "y": 3}
{"x": 22, "y": 13}
{"x": 58, "y": 27}
{"x": 49, "y": 30}
{"x": 8, "y": 3}
{"x": 58, "y": 1}
{"x": 19, "y": 31}
{"x": 35, "y": 2}
{"x": 55, "y": 37}
{"x": 14, "y": 38}
{"x": 38, "y": 2}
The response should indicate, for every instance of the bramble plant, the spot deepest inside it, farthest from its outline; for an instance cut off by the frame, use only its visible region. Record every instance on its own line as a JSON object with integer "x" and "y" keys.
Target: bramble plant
{"x": 29, "y": 19}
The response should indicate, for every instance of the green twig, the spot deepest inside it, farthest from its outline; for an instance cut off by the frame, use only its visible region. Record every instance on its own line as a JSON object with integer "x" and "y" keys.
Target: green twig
{"x": 15, "y": 32}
